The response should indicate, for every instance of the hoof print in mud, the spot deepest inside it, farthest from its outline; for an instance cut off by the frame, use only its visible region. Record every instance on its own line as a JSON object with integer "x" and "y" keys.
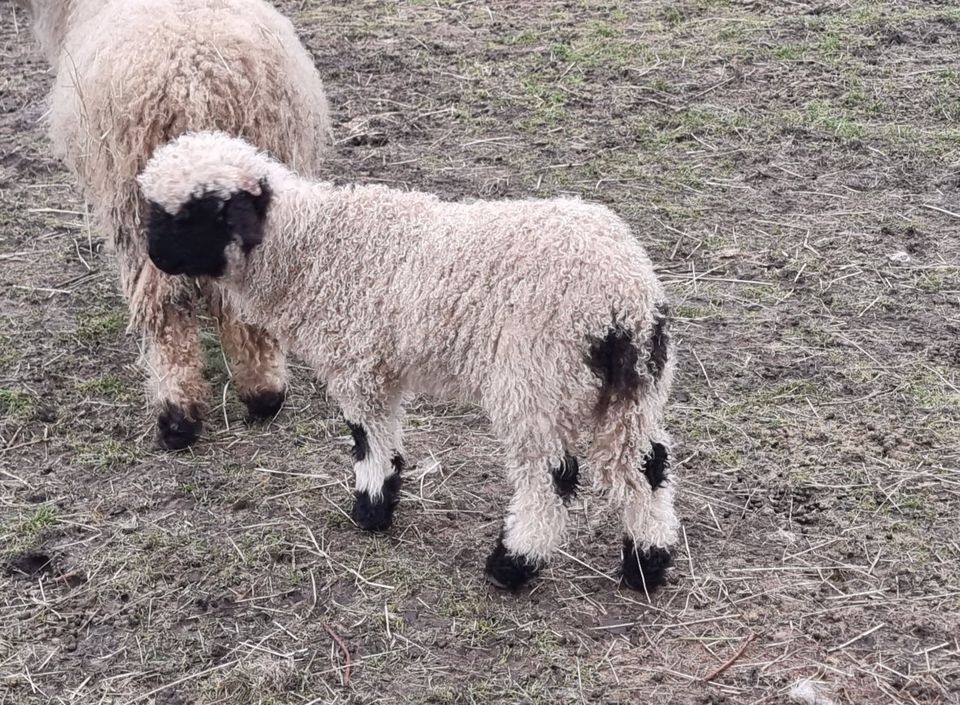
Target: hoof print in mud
{"x": 175, "y": 429}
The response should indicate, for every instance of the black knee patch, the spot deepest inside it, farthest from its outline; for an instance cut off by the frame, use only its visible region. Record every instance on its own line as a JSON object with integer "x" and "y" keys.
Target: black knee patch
{"x": 508, "y": 571}
{"x": 566, "y": 478}
{"x": 644, "y": 570}
{"x": 360, "y": 445}
{"x": 377, "y": 514}
{"x": 177, "y": 428}
{"x": 656, "y": 466}
{"x": 263, "y": 406}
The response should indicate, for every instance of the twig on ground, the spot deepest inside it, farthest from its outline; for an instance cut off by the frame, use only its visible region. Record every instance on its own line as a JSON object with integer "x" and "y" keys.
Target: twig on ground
{"x": 347, "y": 662}
{"x": 730, "y": 661}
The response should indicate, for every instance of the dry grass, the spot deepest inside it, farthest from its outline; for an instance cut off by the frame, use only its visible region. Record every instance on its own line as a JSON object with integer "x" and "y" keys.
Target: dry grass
{"x": 793, "y": 169}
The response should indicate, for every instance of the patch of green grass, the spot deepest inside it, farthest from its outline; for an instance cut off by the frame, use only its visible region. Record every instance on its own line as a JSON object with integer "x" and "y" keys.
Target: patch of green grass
{"x": 601, "y": 45}
{"x": 100, "y": 325}
{"x": 8, "y": 353}
{"x": 108, "y": 386}
{"x": 549, "y": 108}
{"x": 15, "y": 403}
{"x": 728, "y": 458}
{"x": 695, "y": 312}
{"x": 526, "y": 37}
{"x": 789, "y": 52}
{"x": 603, "y": 30}
{"x": 478, "y": 630}
{"x": 35, "y": 523}
{"x": 821, "y": 115}
{"x": 928, "y": 389}
{"x": 27, "y": 532}
{"x": 214, "y": 363}
{"x": 106, "y": 454}
{"x": 673, "y": 16}
{"x": 789, "y": 390}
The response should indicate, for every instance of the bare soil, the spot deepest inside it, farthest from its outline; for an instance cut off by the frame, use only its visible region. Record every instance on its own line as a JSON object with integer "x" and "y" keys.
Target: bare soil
{"x": 793, "y": 168}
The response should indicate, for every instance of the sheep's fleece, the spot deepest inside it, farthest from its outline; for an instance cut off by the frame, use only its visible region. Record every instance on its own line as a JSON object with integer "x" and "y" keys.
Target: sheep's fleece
{"x": 133, "y": 74}
{"x": 517, "y": 306}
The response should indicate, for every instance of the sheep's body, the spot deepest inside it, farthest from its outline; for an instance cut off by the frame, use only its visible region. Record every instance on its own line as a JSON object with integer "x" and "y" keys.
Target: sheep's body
{"x": 133, "y": 74}
{"x": 545, "y": 313}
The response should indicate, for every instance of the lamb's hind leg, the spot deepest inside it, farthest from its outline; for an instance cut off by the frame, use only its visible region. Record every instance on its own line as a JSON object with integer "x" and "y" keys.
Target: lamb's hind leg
{"x": 535, "y": 522}
{"x": 378, "y": 461}
{"x": 650, "y": 522}
{"x": 256, "y": 360}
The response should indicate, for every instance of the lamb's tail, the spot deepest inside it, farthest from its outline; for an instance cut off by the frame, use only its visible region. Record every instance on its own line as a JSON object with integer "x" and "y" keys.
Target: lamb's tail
{"x": 634, "y": 365}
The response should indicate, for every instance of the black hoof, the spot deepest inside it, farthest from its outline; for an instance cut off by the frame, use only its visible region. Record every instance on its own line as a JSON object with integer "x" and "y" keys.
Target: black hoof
{"x": 507, "y": 571}
{"x": 263, "y": 406}
{"x": 377, "y": 515}
{"x": 176, "y": 429}
{"x": 644, "y": 571}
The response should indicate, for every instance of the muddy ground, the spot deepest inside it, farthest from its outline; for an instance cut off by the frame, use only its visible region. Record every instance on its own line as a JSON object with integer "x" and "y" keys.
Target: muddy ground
{"x": 793, "y": 168}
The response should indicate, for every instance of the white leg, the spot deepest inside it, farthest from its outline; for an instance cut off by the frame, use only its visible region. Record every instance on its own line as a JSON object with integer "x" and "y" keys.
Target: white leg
{"x": 535, "y": 521}
{"x": 378, "y": 461}
{"x": 650, "y": 522}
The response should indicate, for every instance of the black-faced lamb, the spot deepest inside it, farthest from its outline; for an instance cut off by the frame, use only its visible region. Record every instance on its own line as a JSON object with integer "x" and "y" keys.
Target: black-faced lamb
{"x": 133, "y": 74}
{"x": 546, "y": 313}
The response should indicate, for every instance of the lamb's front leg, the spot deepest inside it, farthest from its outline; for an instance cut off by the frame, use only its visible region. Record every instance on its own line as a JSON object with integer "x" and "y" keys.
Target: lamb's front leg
{"x": 378, "y": 462}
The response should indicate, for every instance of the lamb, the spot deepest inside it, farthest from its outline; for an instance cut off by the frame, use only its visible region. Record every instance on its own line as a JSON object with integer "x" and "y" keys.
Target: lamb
{"x": 133, "y": 74}
{"x": 547, "y": 314}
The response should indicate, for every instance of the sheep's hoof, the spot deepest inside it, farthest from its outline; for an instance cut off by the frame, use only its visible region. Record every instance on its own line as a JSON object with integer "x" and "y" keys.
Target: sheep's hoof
{"x": 507, "y": 571}
{"x": 263, "y": 406}
{"x": 647, "y": 570}
{"x": 176, "y": 429}
{"x": 377, "y": 514}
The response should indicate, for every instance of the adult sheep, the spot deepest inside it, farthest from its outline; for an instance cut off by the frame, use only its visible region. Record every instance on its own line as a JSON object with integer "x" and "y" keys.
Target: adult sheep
{"x": 133, "y": 74}
{"x": 547, "y": 314}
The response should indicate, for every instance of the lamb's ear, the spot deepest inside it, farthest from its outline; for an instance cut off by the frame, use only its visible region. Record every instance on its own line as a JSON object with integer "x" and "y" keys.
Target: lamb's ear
{"x": 246, "y": 215}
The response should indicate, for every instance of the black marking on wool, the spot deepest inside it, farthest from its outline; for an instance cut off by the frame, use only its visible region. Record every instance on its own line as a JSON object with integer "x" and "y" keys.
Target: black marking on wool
{"x": 377, "y": 514}
{"x": 656, "y": 465}
{"x": 361, "y": 445}
{"x": 178, "y": 428}
{"x": 644, "y": 571}
{"x": 508, "y": 571}
{"x": 263, "y": 406}
{"x": 613, "y": 359}
{"x": 659, "y": 344}
{"x": 566, "y": 477}
{"x": 193, "y": 242}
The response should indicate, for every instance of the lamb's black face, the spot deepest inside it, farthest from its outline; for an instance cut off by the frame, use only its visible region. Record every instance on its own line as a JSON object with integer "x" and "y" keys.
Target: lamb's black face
{"x": 194, "y": 241}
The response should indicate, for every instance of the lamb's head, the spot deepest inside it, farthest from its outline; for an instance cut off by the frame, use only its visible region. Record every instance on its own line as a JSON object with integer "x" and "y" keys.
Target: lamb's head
{"x": 208, "y": 197}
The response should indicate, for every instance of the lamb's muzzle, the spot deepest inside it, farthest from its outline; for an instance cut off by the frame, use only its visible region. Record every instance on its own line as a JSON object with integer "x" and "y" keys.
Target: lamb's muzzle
{"x": 545, "y": 313}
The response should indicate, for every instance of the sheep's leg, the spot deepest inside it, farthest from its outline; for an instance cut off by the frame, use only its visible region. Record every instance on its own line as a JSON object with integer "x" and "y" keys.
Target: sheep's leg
{"x": 175, "y": 362}
{"x": 535, "y": 522}
{"x": 650, "y": 522}
{"x": 378, "y": 463}
{"x": 256, "y": 359}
